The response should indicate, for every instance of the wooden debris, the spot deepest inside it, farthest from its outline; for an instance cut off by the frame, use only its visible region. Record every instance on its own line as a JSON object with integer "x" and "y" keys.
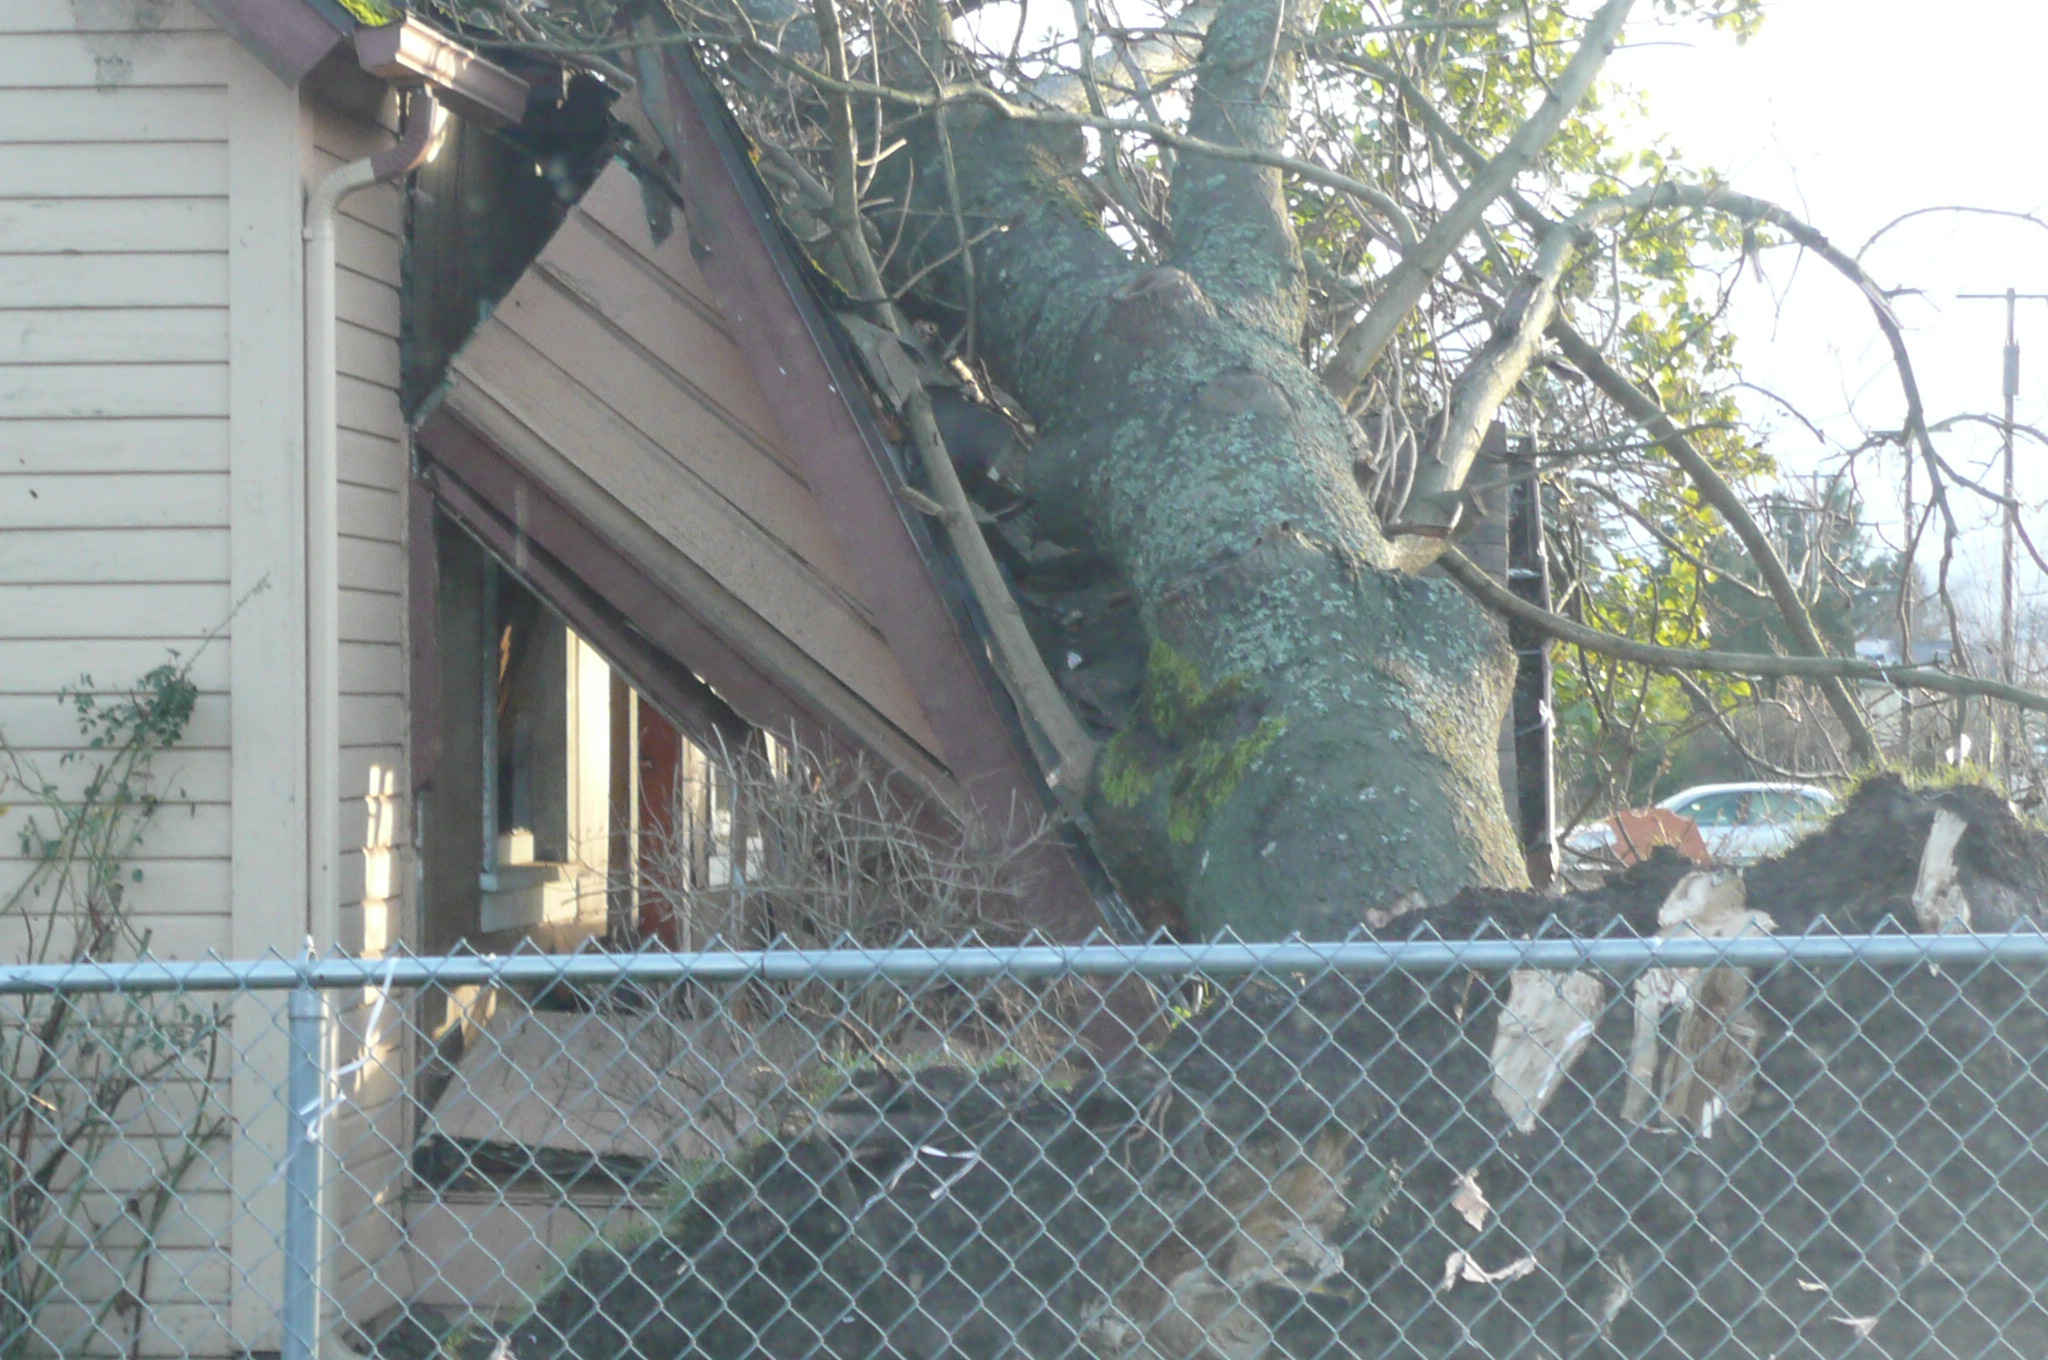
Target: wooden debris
{"x": 1939, "y": 903}
{"x": 1544, "y": 1027}
{"x": 1470, "y": 1201}
{"x": 1710, "y": 1073}
{"x": 1460, "y": 1266}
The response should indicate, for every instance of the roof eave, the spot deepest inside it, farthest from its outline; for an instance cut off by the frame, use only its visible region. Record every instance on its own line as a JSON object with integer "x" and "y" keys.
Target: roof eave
{"x": 291, "y": 37}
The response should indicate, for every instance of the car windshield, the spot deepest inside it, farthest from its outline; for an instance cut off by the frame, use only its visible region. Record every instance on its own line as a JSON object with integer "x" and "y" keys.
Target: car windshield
{"x": 1783, "y": 805}
{"x": 1715, "y": 809}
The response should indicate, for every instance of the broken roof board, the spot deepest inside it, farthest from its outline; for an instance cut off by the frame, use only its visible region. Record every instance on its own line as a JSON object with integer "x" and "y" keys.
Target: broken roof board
{"x": 910, "y": 584}
{"x": 605, "y": 378}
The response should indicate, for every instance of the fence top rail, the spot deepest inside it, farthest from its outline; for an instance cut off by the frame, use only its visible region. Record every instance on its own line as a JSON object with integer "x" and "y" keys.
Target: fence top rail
{"x": 1031, "y": 962}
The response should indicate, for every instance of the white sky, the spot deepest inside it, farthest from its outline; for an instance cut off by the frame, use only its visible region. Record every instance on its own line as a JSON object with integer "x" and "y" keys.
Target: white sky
{"x": 1851, "y": 112}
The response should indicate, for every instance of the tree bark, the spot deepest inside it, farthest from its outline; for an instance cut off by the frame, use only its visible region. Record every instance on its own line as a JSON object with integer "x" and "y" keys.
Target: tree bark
{"x": 1315, "y": 736}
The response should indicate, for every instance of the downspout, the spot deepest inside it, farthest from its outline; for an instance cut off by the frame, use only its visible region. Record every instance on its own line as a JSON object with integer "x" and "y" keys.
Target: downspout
{"x": 323, "y": 553}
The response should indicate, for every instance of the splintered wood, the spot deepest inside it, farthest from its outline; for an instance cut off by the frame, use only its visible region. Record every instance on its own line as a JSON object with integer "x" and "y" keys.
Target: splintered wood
{"x": 1545, "y": 1026}
{"x": 1939, "y": 903}
{"x": 1708, "y": 1072}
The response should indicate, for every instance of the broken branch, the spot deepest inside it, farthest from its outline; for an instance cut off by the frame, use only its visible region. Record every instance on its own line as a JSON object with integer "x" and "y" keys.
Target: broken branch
{"x": 1500, "y": 600}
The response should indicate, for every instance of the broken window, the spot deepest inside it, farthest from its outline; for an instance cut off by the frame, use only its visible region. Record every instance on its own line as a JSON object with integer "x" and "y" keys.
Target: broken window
{"x": 564, "y": 806}
{"x": 546, "y": 746}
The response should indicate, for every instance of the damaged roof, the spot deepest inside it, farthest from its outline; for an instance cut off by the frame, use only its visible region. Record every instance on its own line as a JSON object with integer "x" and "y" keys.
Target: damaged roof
{"x": 670, "y": 439}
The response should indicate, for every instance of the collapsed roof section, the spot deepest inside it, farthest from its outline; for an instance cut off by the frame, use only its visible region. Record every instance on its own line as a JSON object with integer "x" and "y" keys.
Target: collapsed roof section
{"x": 668, "y": 442}
{"x": 611, "y": 388}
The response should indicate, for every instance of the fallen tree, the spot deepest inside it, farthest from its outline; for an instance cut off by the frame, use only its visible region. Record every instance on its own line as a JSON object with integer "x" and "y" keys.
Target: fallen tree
{"x": 1810, "y": 1163}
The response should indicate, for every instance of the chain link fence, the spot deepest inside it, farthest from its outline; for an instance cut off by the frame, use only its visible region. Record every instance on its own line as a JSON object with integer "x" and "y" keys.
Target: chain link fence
{"x": 1829, "y": 1146}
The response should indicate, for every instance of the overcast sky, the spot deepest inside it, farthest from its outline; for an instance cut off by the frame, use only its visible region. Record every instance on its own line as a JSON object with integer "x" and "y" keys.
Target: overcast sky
{"x": 1852, "y": 112}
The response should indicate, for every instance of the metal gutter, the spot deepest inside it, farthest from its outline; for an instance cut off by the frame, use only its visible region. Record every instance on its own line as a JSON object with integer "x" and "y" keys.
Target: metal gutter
{"x": 409, "y": 53}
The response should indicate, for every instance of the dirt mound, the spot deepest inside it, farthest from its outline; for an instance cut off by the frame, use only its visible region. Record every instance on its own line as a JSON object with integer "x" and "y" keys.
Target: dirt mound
{"x": 1324, "y": 1167}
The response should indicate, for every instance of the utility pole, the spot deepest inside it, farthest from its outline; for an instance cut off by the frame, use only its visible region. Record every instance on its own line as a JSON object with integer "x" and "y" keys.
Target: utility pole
{"x": 1532, "y": 715}
{"x": 2012, "y": 299}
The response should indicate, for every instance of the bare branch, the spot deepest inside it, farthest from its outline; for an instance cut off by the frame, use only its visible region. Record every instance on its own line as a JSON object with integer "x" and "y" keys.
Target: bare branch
{"x": 1503, "y": 601}
{"x": 1436, "y": 505}
{"x": 1715, "y": 491}
{"x": 1905, "y": 217}
{"x": 977, "y": 94}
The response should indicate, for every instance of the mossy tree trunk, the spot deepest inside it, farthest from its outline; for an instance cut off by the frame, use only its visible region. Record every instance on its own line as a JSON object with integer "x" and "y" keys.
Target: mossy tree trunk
{"x": 1316, "y": 736}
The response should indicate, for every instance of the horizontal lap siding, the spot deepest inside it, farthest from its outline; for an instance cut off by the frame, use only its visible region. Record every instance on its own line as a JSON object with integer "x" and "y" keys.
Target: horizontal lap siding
{"x": 130, "y": 426}
{"x": 372, "y": 463}
{"x": 114, "y": 526}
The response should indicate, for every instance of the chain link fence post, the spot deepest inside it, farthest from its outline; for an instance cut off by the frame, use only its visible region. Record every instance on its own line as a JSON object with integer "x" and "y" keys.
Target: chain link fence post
{"x": 302, "y": 1176}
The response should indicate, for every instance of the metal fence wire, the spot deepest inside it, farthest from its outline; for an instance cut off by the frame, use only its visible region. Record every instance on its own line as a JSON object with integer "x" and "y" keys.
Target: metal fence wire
{"x": 1828, "y": 1146}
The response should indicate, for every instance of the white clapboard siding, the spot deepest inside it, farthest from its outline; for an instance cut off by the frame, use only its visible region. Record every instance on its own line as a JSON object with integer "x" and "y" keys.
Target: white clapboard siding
{"x": 114, "y": 169}
{"x": 44, "y": 666}
{"x": 372, "y": 615}
{"x": 369, "y": 559}
{"x": 114, "y": 402}
{"x": 371, "y": 409}
{"x": 102, "y": 391}
{"x": 114, "y": 530}
{"x": 114, "y": 278}
{"x": 41, "y": 16}
{"x": 114, "y": 62}
{"x": 178, "y": 776}
{"x": 366, "y": 302}
{"x": 113, "y": 335}
{"x": 147, "y": 115}
{"x": 369, "y": 668}
{"x": 149, "y": 447}
{"x": 194, "y": 444}
{"x": 41, "y": 725}
{"x": 366, "y": 355}
{"x": 193, "y": 223}
{"x": 168, "y": 500}
{"x": 373, "y": 461}
{"x": 190, "y": 832}
{"x": 148, "y": 609}
{"x": 57, "y": 556}
{"x": 373, "y": 873}
{"x": 168, "y": 887}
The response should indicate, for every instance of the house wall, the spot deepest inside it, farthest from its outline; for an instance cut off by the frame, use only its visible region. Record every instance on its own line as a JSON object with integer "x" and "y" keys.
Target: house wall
{"x": 134, "y": 166}
{"x": 368, "y": 1135}
{"x": 114, "y": 544}
{"x": 373, "y": 466}
{"x": 152, "y": 177}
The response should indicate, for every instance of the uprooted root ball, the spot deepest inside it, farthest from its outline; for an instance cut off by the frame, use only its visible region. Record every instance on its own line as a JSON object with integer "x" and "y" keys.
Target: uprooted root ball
{"x": 1326, "y": 1167}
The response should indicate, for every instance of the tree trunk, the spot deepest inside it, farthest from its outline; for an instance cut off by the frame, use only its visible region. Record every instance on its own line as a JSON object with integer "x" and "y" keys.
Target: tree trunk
{"x": 1315, "y": 734}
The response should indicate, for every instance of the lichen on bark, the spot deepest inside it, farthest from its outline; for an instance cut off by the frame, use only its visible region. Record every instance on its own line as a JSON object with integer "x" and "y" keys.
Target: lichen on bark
{"x": 1316, "y": 736}
{"x": 1189, "y": 743}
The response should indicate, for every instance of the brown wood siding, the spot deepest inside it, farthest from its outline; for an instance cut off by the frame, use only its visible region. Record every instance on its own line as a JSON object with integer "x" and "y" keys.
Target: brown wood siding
{"x": 608, "y": 376}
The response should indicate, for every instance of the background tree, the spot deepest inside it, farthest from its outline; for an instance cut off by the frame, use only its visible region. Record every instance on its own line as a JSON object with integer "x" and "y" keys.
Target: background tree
{"x": 1249, "y": 280}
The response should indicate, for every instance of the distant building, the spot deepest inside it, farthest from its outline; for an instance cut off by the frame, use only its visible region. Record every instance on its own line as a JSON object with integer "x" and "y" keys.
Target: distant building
{"x": 1884, "y": 651}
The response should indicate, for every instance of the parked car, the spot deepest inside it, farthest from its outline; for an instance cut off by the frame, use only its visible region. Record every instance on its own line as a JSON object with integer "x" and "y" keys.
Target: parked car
{"x": 1740, "y": 823}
